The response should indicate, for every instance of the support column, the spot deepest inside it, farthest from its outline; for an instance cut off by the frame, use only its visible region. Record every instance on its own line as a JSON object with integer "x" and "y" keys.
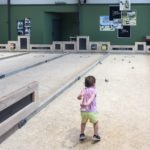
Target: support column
{"x": 9, "y": 19}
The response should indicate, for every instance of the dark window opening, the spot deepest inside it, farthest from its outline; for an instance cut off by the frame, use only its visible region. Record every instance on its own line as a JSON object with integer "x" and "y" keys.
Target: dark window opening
{"x": 140, "y": 47}
{"x": 14, "y": 108}
{"x": 57, "y": 46}
{"x": 23, "y": 43}
{"x": 69, "y": 46}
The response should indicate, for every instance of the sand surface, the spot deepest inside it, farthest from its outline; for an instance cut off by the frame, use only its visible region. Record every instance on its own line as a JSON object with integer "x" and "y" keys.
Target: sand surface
{"x": 15, "y": 63}
{"x": 50, "y": 75}
{"x": 8, "y": 54}
{"x": 124, "y": 112}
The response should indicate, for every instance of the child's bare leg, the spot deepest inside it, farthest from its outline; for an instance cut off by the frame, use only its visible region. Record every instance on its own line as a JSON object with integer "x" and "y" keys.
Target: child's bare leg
{"x": 83, "y": 127}
{"x": 96, "y": 137}
{"x": 95, "y": 126}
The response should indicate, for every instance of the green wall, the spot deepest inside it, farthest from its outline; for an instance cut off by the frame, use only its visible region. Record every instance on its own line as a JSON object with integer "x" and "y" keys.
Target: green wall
{"x": 89, "y": 24}
{"x": 41, "y": 17}
{"x": 3, "y": 25}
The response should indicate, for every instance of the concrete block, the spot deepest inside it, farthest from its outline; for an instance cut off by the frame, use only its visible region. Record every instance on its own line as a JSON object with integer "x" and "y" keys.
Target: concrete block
{"x": 104, "y": 46}
{"x": 140, "y": 47}
{"x": 12, "y": 45}
{"x": 40, "y": 47}
{"x": 13, "y": 100}
{"x": 94, "y": 46}
{"x": 122, "y": 48}
{"x": 147, "y": 49}
{"x": 24, "y": 43}
{"x": 4, "y": 47}
{"x": 57, "y": 46}
{"x": 69, "y": 46}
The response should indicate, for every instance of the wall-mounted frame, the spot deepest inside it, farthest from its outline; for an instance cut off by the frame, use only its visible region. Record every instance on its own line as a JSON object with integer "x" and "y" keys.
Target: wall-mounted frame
{"x": 24, "y": 27}
{"x": 124, "y": 32}
{"x": 122, "y": 48}
{"x": 104, "y": 46}
{"x": 148, "y": 49}
{"x": 94, "y": 46}
{"x": 69, "y": 46}
{"x": 114, "y": 12}
{"x": 4, "y": 47}
{"x": 58, "y": 46}
{"x": 105, "y": 24}
{"x": 125, "y": 5}
{"x": 129, "y": 18}
{"x": 140, "y": 47}
{"x": 12, "y": 45}
{"x": 27, "y": 26}
{"x": 20, "y": 27}
{"x": 38, "y": 47}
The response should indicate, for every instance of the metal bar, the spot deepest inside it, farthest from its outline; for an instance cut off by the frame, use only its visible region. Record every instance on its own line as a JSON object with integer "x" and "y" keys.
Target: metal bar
{"x": 3, "y": 58}
{"x": 2, "y": 76}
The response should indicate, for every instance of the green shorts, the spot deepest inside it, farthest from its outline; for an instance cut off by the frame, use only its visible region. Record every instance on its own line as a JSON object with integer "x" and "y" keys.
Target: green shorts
{"x": 91, "y": 116}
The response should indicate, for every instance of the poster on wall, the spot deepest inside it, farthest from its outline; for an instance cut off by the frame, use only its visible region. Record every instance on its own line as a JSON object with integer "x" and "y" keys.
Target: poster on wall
{"x": 27, "y": 26}
{"x": 117, "y": 23}
{"x": 114, "y": 12}
{"x": 124, "y": 32}
{"x": 106, "y": 24}
{"x": 20, "y": 27}
{"x": 24, "y": 27}
{"x": 125, "y": 5}
{"x": 128, "y": 18}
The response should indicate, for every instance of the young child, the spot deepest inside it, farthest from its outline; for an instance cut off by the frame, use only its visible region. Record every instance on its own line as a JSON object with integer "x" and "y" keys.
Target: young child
{"x": 88, "y": 107}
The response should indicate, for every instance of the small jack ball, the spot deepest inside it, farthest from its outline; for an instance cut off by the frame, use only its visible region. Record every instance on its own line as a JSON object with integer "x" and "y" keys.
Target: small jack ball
{"x": 106, "y": 80}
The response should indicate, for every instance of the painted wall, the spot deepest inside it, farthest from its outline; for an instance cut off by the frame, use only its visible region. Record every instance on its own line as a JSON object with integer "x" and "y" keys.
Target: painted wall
{"x": 3, "y": 24}
{"x": 40, "y": 21}
{"x": 41, "y": 17}
{"x": 89, "y": 24}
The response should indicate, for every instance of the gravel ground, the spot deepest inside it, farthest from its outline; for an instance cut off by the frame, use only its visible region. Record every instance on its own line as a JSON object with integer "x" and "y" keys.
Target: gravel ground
{"x": 124, "y": 112}
{"x": 19, "y": 62}
{"x": 4, "y": 54}
{"x": 50, "y": 76}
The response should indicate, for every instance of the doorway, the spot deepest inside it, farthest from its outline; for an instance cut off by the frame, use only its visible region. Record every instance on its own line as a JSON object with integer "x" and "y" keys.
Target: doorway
{"x": 56, "y": 29}
{"x": 60, "y": 26}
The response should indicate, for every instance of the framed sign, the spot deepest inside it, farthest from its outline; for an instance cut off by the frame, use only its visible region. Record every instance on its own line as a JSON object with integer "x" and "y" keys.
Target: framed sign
{"x": 24, "y": 27}
{"x": 27, "y": 26}
{"x": 124, "y": 32}
{"x": 128, "y": 18}
{"x": 114, "y": 12}
{"x": 20, "y": 27}
{"x": 117, "y": 23}
{"x": 106, "y": 24}
{"x": 125, "y": 5}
